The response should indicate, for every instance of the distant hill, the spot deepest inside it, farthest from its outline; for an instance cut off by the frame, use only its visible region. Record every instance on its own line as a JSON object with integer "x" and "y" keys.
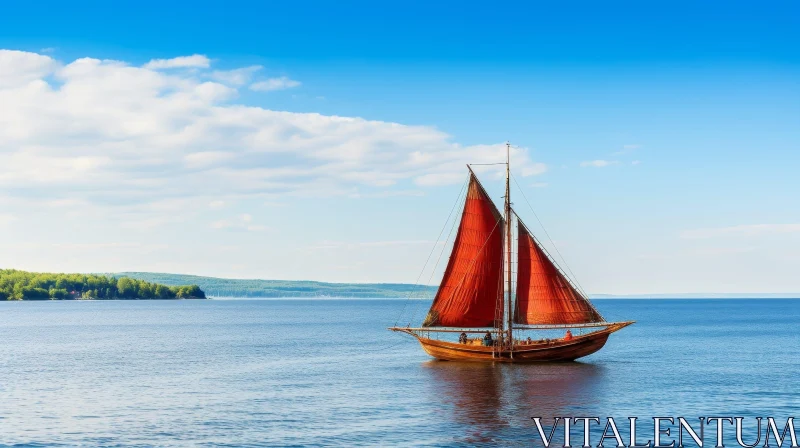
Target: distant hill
{"x": 225, "y": 287}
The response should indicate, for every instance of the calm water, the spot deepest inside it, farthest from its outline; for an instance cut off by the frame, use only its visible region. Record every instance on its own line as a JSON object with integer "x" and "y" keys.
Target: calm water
{"x": 301, "y": 372}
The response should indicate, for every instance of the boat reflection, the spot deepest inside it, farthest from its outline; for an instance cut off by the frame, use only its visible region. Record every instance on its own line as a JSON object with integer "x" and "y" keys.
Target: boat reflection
{"x": 493, "y": 398}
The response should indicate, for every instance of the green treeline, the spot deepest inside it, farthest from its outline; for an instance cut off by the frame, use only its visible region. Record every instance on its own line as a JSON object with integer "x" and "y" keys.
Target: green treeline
{"x": 21, "y": 285}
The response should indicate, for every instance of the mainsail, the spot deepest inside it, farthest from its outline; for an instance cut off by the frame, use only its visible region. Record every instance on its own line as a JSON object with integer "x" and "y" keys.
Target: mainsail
{"x": 471, "y": 287}
{"x": 544, "y": 295}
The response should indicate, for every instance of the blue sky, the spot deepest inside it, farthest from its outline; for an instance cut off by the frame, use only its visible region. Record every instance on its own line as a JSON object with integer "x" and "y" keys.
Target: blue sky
{"x": 658, "y": 142}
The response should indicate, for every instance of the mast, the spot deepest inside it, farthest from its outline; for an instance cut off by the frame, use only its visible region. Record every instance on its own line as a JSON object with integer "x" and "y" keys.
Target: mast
{"x": 510, "y": 315}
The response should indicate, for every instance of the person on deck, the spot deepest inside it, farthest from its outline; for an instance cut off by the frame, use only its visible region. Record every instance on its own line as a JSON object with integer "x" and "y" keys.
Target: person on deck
{"x": 487, "y": 339}
{"x": 529, "y": 341}
{"x": 568, "y": 336}
{"x": 462, "y": 338}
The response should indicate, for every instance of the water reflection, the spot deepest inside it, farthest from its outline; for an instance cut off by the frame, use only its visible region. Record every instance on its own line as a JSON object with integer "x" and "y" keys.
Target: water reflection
{"x": 490, "y": 399}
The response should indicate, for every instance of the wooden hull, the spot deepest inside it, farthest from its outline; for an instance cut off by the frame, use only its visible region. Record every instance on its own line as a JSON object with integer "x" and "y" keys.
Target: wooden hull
{"x": 555, "y": 350}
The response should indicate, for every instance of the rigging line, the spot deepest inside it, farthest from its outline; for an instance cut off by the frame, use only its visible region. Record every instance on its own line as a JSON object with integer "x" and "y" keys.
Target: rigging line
{"x": 444, "y": 248}
{"x": 573, "y": 279}
{"x": 508, "y": 240}
{"x": 515, "y": 271}
{"x": 573, "y": 283}
{"x": 485, "y": 164}
{"x": 550, "y": 257}
{"x": 499, "y": 309}
{"x": 439, "y": 259}
{"x": 433, "y": 249}
{"x": 548, "y": 237}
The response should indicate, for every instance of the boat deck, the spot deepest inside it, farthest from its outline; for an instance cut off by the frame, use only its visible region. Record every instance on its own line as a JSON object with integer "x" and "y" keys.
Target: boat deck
{"x": 551, "y": 350}
{"x": 518, "y": 343}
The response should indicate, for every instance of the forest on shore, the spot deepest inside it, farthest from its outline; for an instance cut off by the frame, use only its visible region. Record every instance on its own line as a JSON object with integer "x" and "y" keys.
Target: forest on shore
{"x": 22, "y": 285}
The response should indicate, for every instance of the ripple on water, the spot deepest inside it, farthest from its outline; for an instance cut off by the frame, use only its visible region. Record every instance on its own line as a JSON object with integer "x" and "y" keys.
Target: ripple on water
{"x": 316, "y": 373}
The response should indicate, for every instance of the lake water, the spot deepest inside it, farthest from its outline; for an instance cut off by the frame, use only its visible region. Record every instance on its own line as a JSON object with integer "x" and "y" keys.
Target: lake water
{"x": 326, "y": 372}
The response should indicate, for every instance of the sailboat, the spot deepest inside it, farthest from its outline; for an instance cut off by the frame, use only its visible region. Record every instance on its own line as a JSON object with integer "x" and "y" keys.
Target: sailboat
{"x": 475, "y": 298}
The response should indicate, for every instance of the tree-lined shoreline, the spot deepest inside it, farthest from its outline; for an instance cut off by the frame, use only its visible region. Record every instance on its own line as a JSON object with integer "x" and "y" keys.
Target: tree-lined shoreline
{"x": 23, "y": 285}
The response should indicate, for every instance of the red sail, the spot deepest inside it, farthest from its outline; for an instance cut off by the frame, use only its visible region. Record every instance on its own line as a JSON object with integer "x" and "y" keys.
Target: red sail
{"x": 471, "y": 288}
{"x": 544, "y": 295}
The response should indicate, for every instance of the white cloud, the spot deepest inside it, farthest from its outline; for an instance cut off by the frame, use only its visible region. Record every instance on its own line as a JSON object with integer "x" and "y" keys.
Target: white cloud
{"x": 108, "y": 137}
{"x": 626, "y": 149}
{"x": 599, "y": 163}
{"x": 438, "y": 179}
{"x": 271, "y": 84}
{"x": 18, "y": 68}
{"x": 205, "y": 158}
{"x": 741, "y": 231}
{"x": 236, "y": 77}
{"x": 216, "y": 204}
{"x": 195, "y": 60}
{"x": 386, "y": 194}
{"x": 534, "y": 169}
{"x": 636, "y": 162}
